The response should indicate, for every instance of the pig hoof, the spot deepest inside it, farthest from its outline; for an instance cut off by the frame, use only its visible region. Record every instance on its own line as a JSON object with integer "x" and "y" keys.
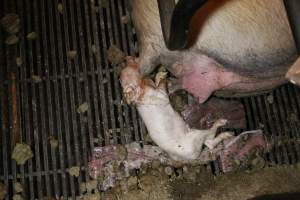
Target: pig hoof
{"x": 226, "y": 135}
{"x": 159, "y": 77}
{"x": 209, "y": 144}
{"x": 220, "y": 122}
{"x": 131, "y": 94}
{"x": 212, "y": 143}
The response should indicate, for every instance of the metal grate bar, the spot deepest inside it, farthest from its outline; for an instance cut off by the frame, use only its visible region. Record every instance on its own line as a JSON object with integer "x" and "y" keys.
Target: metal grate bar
{"x": 255, "y": 115}
{"x": 264, "y": 111}
{"x": 19, "y": 111}
{"x": 258, "y": 118}
{"x": 3, "y": 117}
{"x": 32, "y": 50}
{"x": 90, "y": 62}
{"x": 57, "y": 63}
{"x": 25, "y": 115}
{"x": 59, "y": 77}
{"x": 109, "y": 135}
{"x": 35, "y": 174}
{"x": 43, "y": 132}
{"x": 119, "y": 41}
{"x": 284, "y": 109}
{"x": 50, "y": 124}
{"x": 13, "y": 104}
{"x": 67, "y": 90}
{"x": 73, "y": 95}
{"x": 100, "y": 42}
{"x": 123, "y": 110}
{"x": 84, "y": 129}
{"x": 283, "y": 158}
{"x": 271, "y": 125}
{"x": 6, "y": 128}
{"x": 297, "y": 126}
{"x": 295, "y": 111}
{"x": 56, "y": 125}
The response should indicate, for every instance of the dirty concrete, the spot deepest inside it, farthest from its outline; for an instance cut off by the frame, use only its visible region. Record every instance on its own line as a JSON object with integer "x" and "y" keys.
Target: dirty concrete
{"x": 197, "y": 183}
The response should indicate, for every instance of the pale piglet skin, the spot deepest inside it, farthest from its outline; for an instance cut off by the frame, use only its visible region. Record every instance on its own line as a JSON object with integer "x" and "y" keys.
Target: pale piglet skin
{"x": 165, "y": 126}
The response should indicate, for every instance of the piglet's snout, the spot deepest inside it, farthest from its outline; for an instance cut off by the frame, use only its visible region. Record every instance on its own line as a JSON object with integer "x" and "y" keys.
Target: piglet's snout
{"x": 131, "y": 81}
{"x": 131, "y": 93}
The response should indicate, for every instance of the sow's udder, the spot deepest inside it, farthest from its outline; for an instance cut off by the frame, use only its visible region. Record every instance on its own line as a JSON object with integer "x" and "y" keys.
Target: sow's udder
{"x": 202, "y": 76}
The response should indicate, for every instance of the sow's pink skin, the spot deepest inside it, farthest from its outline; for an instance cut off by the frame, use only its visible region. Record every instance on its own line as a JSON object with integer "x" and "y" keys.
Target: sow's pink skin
{"x": 202, "y": 76}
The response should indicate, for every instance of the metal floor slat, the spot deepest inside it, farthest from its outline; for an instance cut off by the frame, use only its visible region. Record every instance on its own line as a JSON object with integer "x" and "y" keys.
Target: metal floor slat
{"x": 48, "y": 108}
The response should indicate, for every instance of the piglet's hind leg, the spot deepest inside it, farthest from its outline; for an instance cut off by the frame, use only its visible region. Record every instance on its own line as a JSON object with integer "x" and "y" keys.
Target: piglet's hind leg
{"x": 219, "y": 123}
{"x": 212, "y": 143}
{"x": 160, "y": 80}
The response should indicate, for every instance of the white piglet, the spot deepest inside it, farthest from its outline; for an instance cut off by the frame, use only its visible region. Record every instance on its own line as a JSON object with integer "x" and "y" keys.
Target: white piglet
{"x": 165, "y": 126}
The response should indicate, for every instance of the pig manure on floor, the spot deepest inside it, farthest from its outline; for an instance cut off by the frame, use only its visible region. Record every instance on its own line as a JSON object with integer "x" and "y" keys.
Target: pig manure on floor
{"x": 74, "y": 171}
{"x": 31, "y": 36}
{"x": 17, "y": 197}
{"x": 72, "y": 54}
{"x": 115, "y": 55}
{"x": 241, "y": 185}
{"x": 21, "y": 153}
{"x": 36, "y": 78}
{"x": 60, "y": 8}
{"x": 18, "y": 187}
{"x": 11, "y": 40}
{"x": 3, "y": 191}
{"x": 197, "y": 182}
{"x": 19, "y": 61}
{"x": 53, "y": 142}
{"x": 11, "y": 23}
{"x": 84, "y": 107}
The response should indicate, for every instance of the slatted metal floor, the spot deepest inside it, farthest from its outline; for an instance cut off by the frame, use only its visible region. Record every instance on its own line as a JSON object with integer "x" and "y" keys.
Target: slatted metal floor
{"x": 32, "y": 111}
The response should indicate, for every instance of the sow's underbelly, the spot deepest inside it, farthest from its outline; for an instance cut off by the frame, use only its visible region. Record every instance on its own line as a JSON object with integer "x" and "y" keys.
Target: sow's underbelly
{"x": 233, "y": 74}
{"x": 255, "y": 73}
{"x": 250, "y": 87}
{"x": 251, "y": 74}
{"x": 242, "y": 48}
{"x": 202, "y": 76}
{"x": 239, "y": 47}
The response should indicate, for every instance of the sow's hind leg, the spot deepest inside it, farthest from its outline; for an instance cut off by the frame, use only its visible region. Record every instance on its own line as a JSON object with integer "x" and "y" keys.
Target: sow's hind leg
{"x": 202, "y": 76}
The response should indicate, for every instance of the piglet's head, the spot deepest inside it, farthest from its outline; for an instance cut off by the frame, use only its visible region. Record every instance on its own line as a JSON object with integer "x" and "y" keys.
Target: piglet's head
{"x": 131, "y": 81}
